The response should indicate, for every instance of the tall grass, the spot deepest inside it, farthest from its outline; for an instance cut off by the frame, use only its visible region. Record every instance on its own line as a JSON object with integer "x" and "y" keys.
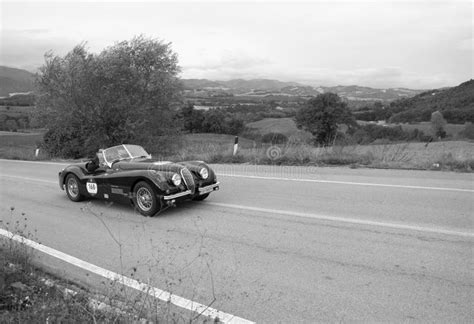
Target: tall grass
{"x": 443, "y": 155}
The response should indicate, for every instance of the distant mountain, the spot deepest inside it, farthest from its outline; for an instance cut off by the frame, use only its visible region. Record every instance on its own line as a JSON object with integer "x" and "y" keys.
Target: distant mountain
{"x": 355, "y": 92}
{"x": 15, "y": 81}
{"x": 456, "y": 104}
{"x": 236, "y": 86}
{"x": 265, "y": 87}
{"x": 257, "y": 84}
{"x": 191, "y": 84}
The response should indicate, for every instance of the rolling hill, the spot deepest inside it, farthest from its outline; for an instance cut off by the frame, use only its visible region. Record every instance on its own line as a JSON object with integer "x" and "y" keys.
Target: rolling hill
{"x": 456, "y": 104}
{"x": 15, "y": 80}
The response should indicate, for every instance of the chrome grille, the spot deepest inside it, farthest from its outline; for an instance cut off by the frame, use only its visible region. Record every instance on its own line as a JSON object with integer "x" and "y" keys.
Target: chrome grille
{"x": 188, "y": 179}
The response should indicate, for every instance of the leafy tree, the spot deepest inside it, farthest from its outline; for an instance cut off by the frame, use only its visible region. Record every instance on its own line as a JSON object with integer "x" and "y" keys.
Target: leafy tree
{"x": 221, "y": 122}
{"x": 214, "y": 122}
{"x": 234, "y": 125}
{"x": 127, "y": 93}
{"x": 3, "y": 119}
{"x": 321, "y": 116}
{"x": 373, "y": 112}
{"x": 192, "y": 119}
{"x": 11, "y": 125}
{"x": 468, "y": 131}
{"x": 437, "y": 124}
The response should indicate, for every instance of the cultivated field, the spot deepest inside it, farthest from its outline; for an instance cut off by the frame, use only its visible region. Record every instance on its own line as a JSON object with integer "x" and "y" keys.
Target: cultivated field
{"x": 285, "y": 126}
{"x": 20, "y": 146}
{"x": 452, "y": 130}
{"x": 203, "y": 139}
{"x": 19, "y": 139}
{"x": 15, "y": 111}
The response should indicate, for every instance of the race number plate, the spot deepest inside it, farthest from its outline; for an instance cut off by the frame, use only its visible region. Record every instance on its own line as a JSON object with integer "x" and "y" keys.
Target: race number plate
{"x": 92, "y": 188}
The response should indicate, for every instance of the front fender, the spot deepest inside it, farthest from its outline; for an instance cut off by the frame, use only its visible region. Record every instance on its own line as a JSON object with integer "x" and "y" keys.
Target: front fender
{"x": 195, "y": 166}
{"x": 158, "y": 178}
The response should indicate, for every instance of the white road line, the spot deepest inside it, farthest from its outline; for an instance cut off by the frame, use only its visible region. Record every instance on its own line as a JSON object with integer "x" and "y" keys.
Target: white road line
{"x": 314, "y": 216}
{"x": 37, "y": 162}
{"x": 132, "y": 283}
{"x": 289, "y": 179}
{"x": 346, "y": 220}
{"x": 29, "y": 179}
{"x": 344, "y": 182}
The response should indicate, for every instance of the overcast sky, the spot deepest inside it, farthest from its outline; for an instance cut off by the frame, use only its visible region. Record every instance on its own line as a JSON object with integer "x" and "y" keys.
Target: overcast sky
{"x": 372, "y": 43}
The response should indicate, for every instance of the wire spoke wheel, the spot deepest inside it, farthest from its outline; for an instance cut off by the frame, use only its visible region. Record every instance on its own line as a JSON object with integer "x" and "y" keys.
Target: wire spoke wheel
{"x": 145, "y": 199}
{"x": 72, "y": 188}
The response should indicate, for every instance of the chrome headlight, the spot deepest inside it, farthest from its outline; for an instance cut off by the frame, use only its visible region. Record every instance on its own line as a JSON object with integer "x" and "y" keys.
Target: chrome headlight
{"x": 176, "y": 179}
{"x": 204, "y": 173}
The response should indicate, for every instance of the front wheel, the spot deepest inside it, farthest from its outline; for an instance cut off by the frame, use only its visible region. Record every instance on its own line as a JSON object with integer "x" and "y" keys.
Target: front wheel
{"x": 72, "y": 188}
{"x": 201, "y": 197}
{"x": 145, "y": 199}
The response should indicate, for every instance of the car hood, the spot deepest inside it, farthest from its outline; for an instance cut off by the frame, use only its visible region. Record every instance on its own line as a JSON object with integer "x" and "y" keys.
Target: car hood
{"x": 148, "y": 164}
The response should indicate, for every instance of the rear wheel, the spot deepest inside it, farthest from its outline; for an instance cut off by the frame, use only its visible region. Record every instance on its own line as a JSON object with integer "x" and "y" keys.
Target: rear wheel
{"x": 201, "y": 197}
{"x": 145, "y": 199}
{"x": 72, "y": 188}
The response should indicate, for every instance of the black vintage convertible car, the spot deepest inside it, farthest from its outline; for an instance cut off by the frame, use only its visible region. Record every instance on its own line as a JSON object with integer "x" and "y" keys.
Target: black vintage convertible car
{"x": 127, "y": 173}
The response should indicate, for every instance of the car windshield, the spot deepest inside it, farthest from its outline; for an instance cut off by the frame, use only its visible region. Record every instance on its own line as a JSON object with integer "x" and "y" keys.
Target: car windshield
{"x": 136, "y": 151}
{"x": 123, "y": 152}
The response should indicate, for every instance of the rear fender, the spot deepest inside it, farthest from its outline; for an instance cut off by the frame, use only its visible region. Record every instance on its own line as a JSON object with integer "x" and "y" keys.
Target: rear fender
{"x": 78, "y": 172}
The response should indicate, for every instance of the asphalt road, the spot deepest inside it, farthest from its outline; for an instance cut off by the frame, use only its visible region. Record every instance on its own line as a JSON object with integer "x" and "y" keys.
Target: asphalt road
{"x": 279, "y": 244}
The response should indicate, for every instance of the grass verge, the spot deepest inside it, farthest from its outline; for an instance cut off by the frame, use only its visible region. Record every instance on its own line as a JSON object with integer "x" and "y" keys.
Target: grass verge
{"x": 28, "y": 294}
{"x": 215, "y": 148}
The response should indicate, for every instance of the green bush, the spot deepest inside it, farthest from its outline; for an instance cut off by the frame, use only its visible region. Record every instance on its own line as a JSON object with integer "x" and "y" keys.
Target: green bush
{"x": 275, "y": 138}
{"x": 371, "y": 133}
{"x": 468, "y": 131}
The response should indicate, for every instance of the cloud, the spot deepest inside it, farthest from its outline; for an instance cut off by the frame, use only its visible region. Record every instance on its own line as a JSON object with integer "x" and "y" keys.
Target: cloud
{"x": 228, "y": 65}
{"x": 25, "y": 48}
{"x": 466, "y": 44}
{"x": 384, "y": 77}
{"x": 398, "y": 44}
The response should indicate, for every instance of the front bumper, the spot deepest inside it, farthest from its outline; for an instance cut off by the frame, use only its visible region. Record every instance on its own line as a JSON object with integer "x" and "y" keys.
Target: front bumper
{"x": 208, "y": 189}
{"x": 177, "y": 195}
{"x": 200, "y": 191}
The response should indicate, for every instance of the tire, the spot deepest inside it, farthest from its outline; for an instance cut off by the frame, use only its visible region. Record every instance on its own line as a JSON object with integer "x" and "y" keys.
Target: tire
{"x": 145, "y": 199}
{"x": 73, "y": 188}
{"x": 201, "y": 197}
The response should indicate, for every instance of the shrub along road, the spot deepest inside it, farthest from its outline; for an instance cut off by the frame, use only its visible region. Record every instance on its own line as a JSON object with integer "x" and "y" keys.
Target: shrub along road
{"x": 277, "y": 244}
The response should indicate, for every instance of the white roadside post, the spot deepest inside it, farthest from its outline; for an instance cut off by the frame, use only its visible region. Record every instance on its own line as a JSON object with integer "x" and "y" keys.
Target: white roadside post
{"x": 236, "y": 145}
{"x": 37, "y": 151}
